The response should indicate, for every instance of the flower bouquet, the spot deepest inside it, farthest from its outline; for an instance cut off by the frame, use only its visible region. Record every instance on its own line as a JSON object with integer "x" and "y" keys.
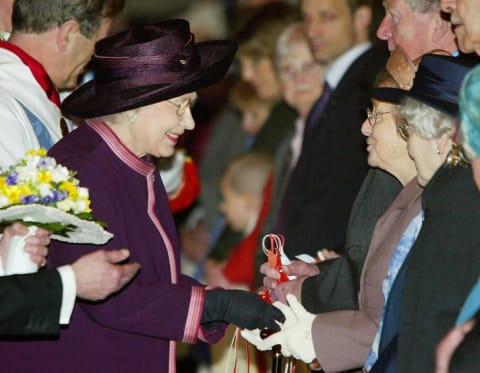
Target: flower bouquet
{"x": 38, "y": 192}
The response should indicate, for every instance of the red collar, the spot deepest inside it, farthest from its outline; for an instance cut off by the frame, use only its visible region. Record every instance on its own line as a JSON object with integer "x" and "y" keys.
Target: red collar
{"x": 37, "y": 70}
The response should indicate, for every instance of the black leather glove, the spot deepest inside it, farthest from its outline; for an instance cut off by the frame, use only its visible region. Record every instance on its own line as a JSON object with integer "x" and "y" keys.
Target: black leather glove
{"x": 242, "y": 308}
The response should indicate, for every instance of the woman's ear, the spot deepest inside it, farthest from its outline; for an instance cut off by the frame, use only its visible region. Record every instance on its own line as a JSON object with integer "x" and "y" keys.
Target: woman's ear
{"x": 131, "y": 115}
{"x": 444, "y": 144}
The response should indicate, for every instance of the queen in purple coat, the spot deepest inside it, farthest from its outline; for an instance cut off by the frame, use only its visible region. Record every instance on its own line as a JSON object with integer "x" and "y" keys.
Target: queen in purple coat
{"x": 138, "y": 105}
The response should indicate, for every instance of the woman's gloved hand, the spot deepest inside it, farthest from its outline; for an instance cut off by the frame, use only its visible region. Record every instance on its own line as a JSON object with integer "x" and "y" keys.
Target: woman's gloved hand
{"x": 242, "y": 308}
{"x": 295, "y": 337}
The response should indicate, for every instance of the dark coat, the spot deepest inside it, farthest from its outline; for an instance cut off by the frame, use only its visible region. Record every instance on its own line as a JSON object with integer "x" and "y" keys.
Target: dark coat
{"x": 337, "y": 285}
{"x": 333, "y": 164}
{"x": 442, "y": 267}
{"x": 30, "y": 304}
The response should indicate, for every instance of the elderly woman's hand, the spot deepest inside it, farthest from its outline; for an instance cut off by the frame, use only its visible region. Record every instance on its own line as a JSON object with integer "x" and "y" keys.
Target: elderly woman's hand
{"x": 295, "y": 268}
{"x": 35, "y": 245}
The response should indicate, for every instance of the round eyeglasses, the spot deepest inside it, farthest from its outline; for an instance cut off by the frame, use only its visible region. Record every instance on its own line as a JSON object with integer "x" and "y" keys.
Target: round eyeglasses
{"x": 403, "y": 129}
{"x": 181, "y": 107}
{"x": 374, "y": 116}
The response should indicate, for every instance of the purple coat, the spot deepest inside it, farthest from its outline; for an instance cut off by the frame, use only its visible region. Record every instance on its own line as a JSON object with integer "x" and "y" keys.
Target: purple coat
{"x": 135, "y": 329}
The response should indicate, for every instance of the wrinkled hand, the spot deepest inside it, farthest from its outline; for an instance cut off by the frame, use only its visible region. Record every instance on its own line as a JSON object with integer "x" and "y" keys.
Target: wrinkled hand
{"x": 449, "y": 344}
{"x": 97, "y": 275}
{"x": 35, "y": 246}
{"x": 294, "y": 287}
{"x": 295, "y": 336}
{"x": 242, "y": 308}
{"x": 295, "y": 268}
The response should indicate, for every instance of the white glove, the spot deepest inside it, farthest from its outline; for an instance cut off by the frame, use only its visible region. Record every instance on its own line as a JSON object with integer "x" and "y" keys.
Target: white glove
{"x": 295, "y": 335}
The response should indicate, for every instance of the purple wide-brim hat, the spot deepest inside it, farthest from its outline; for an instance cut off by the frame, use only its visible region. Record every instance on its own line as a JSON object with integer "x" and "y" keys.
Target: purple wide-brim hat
{"x": 148, "y": 64}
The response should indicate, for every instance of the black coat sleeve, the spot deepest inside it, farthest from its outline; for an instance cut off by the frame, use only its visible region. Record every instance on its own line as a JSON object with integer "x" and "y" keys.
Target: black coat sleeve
{"x": 30, "y": 304}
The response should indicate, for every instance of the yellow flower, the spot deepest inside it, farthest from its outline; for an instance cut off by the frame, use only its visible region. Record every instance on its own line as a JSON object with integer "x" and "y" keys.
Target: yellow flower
{"x": 44, "y": 177}
{"x": 40, "y": 152}
{"x": 70, "y": 188}
{"x": 15, "y": 192}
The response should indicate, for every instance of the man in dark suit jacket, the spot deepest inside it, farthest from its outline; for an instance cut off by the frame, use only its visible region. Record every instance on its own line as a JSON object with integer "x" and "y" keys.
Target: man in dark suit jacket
{"x": 333, "y": 162}
{"x": 31, "y": 304}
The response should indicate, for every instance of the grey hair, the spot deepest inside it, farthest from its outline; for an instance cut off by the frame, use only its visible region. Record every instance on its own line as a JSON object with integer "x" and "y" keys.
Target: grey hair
{"x": 423, "y": 6}
{"x": 295, "y": 34}
{"x": 37, "y": 16}
{"x": 426, "y": 121}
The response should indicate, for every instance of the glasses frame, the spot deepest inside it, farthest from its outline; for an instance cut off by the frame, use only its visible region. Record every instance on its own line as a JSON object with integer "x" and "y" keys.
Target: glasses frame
{"x": 374, "y": 116}
{"x": 182, "y": 107}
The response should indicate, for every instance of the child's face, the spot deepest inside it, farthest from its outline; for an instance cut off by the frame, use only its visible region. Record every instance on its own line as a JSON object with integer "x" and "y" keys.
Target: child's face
{"x": 235, "y": 207}
{"x": 253, "y": 117}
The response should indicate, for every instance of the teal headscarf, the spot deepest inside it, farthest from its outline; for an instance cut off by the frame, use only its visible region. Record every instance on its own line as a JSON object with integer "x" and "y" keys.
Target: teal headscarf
{"x": 469, "y": 104}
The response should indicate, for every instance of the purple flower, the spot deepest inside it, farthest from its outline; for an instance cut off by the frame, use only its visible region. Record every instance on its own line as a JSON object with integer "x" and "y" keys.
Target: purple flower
{"x": 46, "y": 200}
{"x": 12, "y": 179}
{"x": 26, "y": 200}
{"x": 59, "y": 195}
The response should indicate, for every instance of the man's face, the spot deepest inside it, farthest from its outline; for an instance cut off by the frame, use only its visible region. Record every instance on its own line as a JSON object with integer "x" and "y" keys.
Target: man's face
{"x": 79, "y": 53}
{"x": 464, "y": 18}
{"x": 412, "y": 31}
{"x": 330, "y": 28}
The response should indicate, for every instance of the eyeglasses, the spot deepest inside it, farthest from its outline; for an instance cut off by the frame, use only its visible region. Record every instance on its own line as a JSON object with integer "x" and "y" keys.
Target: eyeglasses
{"x": 403, "y": 129}
{"x": 374, "y": 116}
{"x": 182, "y": 107}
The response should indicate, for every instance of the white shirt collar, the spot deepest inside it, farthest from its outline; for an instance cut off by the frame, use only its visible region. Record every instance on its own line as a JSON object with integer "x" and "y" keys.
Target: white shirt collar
{"x": 337, "y": 68}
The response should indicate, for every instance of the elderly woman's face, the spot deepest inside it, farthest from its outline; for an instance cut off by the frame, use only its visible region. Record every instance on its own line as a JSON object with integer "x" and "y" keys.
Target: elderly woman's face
{"x": 384, "y": 146}
{"x": 300, "y": 77}
{"x": 427, "y": 156}
{"x": 157, "y": 127}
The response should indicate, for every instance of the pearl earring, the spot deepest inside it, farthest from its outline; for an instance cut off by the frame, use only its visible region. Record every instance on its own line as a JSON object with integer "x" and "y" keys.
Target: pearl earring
{"x": 438, "y": 150}
{"x": 131, "y": 119}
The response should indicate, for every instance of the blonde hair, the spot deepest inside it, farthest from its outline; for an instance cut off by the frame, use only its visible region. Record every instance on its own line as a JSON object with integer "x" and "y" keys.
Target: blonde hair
{"x": 248, "y": 173}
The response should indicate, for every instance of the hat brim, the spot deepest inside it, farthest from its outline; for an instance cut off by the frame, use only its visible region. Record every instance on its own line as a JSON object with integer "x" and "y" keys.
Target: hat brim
{"x": 215, "y": 59}
{"x": 396, "y": 96}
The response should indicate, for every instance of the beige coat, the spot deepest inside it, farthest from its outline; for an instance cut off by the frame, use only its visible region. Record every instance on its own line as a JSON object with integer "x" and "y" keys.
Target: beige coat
{"x": 342, "y": 339}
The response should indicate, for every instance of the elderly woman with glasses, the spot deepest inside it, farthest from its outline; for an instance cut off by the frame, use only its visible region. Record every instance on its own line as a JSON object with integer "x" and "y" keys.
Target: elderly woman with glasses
{"x": 436, "y": 271}
{"x": 137, "y": 107}
{"x": 341, "y": 339}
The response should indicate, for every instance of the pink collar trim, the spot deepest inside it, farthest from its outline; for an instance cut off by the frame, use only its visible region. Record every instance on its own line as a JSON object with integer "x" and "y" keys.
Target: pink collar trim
{"x": 118, "y": 147}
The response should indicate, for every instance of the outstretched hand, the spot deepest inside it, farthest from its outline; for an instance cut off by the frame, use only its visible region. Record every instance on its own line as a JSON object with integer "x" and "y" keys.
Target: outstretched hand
{"x": 98, "y": 275}
{"x": 295, "y": 336}
{"x": 241, "y": 308}
{"x": 295, "y": 268}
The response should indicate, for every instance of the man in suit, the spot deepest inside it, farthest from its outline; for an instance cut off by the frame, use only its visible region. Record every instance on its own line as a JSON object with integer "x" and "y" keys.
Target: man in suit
{"x": 36, "y": 304}
{"x": 332, "y": 164}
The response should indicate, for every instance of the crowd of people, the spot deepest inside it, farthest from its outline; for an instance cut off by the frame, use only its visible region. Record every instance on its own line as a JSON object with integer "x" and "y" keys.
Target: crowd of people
{"x": 348, "y": 128}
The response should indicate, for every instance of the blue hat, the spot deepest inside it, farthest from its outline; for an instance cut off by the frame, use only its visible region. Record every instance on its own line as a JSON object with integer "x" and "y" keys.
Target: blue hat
{"x": 437, "y": 83}
{"x": 469, "y": 102}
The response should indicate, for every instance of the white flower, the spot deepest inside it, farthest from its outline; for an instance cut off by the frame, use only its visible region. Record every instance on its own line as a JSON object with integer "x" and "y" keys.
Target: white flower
{"x": 66, "y": 205}
{"x": 60, "y": 174}
{"x": 82, "y": 193}
{"x": 45, "y": 189}
{"x": 4, "y": 201}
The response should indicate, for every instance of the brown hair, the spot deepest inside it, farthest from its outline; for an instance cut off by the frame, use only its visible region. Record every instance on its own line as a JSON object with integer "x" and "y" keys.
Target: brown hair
{"x": 258, "y": 35}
